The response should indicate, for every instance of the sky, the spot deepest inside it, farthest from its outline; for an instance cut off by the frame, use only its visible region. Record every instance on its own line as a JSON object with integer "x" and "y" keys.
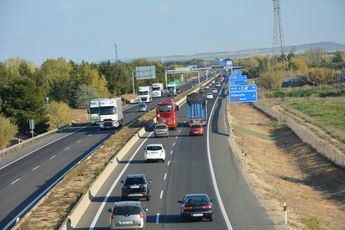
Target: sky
{"x": 87, "y": 29}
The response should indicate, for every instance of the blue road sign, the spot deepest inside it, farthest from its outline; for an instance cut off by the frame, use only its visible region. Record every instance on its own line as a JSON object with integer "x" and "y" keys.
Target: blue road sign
{"x": 243, "y": 97}
{"x": 236, "y": 88}
{"x": 236, "y": 73}
{"x": 238, "y": 81}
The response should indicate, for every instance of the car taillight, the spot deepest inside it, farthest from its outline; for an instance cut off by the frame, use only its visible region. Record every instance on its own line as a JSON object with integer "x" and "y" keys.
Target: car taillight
{"x": 112, "y": 216}
{"x": 207, "y": 206}
{"x": 187, "y": 208}
{"x": 141, "y": 215}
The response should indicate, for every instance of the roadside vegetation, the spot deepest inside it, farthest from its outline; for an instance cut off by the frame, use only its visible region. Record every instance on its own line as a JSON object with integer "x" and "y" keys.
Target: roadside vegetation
{"x": 7, "y": 131}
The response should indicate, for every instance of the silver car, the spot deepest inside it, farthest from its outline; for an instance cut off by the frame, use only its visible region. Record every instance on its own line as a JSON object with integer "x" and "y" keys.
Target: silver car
{"x": 127, "y": 215}
{"x": 142, "y": 107}
{"x": 161, "y": 130}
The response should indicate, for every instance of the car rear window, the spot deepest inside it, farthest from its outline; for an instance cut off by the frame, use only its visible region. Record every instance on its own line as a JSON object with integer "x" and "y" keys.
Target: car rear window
{"x": 196, "y": 126}
{"x": 126, "y": 210}
{"x": 196, "y": 200}
{"x": 160, "y": 127}
{"x": 154, "y": 148}
{"x": 135, "y": 180}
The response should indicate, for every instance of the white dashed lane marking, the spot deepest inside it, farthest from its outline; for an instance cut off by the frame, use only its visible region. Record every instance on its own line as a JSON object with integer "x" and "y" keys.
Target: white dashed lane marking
{"x": 35, "y": 168}
{"x": 52, "y": 157}
{"x": 15, "y": 181}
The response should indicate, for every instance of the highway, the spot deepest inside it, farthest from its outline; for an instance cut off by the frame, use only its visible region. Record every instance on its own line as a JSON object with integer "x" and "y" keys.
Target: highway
{"x": 187, "y": 169}
{"x": 29, "y": 172}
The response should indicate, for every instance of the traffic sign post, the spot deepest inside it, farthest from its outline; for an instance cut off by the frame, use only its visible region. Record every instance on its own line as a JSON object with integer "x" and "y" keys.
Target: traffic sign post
{"x": 238, "y": 80}
{"x": 32, "y": 127}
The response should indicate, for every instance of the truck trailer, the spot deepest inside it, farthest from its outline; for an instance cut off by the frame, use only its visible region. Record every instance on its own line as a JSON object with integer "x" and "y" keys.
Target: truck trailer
{"x": 196, "y": 109}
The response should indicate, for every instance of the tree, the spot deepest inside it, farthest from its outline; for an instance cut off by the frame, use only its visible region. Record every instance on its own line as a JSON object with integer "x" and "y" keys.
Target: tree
{"x": 83, "y": 94}
{"x": 338, "y": 57}
{"x": 314, "y": 57}
{"x": 321, "y": 76}
{"x": 272, "y": 79}
{"x": 298, "y": 64}
{"x": 7, "y": 131}
{"x": 21, "y": 101}
{"x": 57, "y": 74}
{"x": 59, "y": 114}
{"x": 16, "y": 65}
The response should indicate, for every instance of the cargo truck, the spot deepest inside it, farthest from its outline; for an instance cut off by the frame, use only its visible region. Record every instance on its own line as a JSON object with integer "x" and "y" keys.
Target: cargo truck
{"x": 145, "y": 93}
{"x": 171, "y": 88}
{"x": 157, "y": 89}
{"x": 196, "y": 109}
{"x": 110, "y": 113}
{"x": 93, "y": 110}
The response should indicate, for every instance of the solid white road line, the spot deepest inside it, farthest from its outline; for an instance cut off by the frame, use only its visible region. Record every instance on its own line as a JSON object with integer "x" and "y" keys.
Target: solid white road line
{"x": 213, "y": 176}
{"x": 79, "y": 141}
{"x": 35, "y": 168}
{"x": 105, "y": 200}
{"x": 52, "y": 157}
{"x": 41, "y": 148}
{"x": 168, "y": 163}
{"x": 157, "y": 218}
{"x": 171, "y": 152}
{"x": 165, "y": 176}
{"x": 161, "y": 195}
{"x": 15, "y": 181}
{"x": 67, "y": 148}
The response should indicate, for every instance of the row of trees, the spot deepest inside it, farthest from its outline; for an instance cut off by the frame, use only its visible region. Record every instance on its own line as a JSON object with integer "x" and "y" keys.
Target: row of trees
{"x": 41, "y": 93}
{"x": 314, "y": 67}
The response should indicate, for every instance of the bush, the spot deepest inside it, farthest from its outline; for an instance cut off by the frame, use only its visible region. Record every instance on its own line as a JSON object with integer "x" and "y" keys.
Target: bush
{"x": 321, "y": 76}
{"x": 7, "y": 131}
{"x": 271, "y": 79}
{"x": 59, "y": 114}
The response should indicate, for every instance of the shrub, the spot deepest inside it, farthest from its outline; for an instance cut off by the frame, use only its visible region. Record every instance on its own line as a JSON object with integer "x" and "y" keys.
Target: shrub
{"x": 59, "y": 114}
{"x": 272, "y": 79}
{"x": 7, "y": 131}
{"x": 320, "y": 76}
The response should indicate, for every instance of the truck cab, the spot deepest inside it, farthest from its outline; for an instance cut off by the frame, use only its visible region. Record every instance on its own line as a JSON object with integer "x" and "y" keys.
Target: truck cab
{"x": 145, "y": 93}
{"x": 110, "y": 113}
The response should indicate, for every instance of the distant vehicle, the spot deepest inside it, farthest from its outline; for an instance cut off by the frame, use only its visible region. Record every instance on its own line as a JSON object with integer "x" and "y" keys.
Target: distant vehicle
{"x": 196, "y": 206}
{"x": 166, "y": 113}
{"x": 161, "y": 130}
{"x": 127, "y": 215}
{"x": 213, "y": 81}
{"x": 207, "y": 87}
{"x": 142, "y": 107}
{"x": 218, "y": 84}
{"x": 196, "y": 130}
{"x": 157, "y": 89}
{"x": 214, "y": 90}
{"x": 145, "y": 93}
{"x": 155, "y": 152}
{"x": 201, "y": 90}
{"x": 93, "y": 110}
{"x": 136, "y": 186}
{"x": 110, "y": 114}
{"x": 171, "y": 87}
{"x": 209, "y": 96}
{"x": 196, "y": 109}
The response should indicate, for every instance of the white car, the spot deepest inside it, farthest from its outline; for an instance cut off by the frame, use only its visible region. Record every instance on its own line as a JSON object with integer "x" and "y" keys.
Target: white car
{"x": 209, "y": 96}
{"x": 154, "y": 152}
{"x": 214, "y": 91}
{"x": 207, "y": 87}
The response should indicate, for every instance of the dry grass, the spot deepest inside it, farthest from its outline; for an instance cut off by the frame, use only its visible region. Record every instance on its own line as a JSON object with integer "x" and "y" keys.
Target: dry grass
{"x": 283, "y": 169}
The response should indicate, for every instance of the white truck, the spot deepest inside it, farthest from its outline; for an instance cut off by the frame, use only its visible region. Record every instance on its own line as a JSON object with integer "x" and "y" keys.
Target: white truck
{"x": 145, "y": 93}
{"x": 110, "y": 113}
{"x": 157, "y": 89}
{"x": 171, "y": 88}
{"x": 93, "y": 110}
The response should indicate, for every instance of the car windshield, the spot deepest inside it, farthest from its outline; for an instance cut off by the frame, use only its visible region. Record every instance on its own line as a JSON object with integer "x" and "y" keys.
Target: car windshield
{"x": 156, "y": 88}
{"x": 196, "y": 200}
{"x": 154, "y": 148}
{"x": 164, "y": 108}
{"x": 135, "y": 180}
{"x": 94, "y": 110}
{"x": 143, "y": 93}
{"x": 126, "y": 210}
{"x": 141, "y": 105}
{"x": 196, "y": 127}
{"x": 108, "y": 110}
{"x": 160, "y": 127}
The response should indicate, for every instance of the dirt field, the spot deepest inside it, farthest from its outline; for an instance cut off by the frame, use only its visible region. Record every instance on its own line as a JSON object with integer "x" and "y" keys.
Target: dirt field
{"x": 280, "y": 168}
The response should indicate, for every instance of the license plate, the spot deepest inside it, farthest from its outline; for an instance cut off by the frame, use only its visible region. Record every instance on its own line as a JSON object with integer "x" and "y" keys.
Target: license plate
{"x": 197, "y": 214}
{"x": 135, "y": 186}
{"x": 135, "y": 195}
{"x": 126, "y": 222}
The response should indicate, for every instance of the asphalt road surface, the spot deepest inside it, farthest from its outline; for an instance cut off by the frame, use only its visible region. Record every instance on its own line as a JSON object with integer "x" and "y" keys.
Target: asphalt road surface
{"x": 30, "y": 171}
{"x": 185, "y": 170}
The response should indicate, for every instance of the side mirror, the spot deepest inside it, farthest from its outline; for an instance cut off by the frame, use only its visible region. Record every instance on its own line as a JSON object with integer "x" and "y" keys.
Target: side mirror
{"x": 146, "y": 209}
{"x": 109, "y": 210}
{"x": 179, "y": 201}
{"x": 150, "y": 180}
{"x": 122, "y": 182}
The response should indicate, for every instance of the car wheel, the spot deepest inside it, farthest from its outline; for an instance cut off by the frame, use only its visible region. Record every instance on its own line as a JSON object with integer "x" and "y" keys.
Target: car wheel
{"x": 148, "y": 198}
{"x": 163, "y": 160}
{"x": 210, "y": 219}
